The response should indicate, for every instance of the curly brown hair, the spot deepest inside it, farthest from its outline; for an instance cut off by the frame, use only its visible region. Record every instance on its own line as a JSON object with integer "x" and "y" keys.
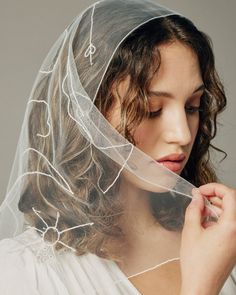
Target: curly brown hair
{"x": 138, "y": 56}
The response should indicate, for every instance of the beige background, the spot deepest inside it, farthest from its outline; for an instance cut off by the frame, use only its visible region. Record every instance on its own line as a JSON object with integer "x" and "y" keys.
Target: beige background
{"x": 28, "y": 29}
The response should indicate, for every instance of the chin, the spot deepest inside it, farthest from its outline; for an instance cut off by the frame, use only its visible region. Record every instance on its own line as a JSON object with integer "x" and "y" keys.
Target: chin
{"x": 166, "y": 181}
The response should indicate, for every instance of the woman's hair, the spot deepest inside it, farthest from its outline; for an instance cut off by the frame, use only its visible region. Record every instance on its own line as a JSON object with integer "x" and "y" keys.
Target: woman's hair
{"x": 139, "y": 58}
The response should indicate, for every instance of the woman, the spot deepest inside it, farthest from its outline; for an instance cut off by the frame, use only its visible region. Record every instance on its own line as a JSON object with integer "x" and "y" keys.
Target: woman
{"x": 127, "y": 84}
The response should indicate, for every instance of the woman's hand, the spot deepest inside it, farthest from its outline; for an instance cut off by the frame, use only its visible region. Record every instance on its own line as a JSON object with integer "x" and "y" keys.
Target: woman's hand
{"x": 208, "y": 251}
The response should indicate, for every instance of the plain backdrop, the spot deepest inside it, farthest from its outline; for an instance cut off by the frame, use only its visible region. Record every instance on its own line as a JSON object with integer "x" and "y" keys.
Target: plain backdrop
{"x": 28, "y": 29}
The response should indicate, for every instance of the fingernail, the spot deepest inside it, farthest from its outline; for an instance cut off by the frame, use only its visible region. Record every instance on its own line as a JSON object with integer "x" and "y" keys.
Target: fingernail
{"x": 195, "y": 195}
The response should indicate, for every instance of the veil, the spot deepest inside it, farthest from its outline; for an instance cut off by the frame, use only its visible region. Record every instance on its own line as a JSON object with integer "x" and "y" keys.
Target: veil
{"x": 72, "y": 169}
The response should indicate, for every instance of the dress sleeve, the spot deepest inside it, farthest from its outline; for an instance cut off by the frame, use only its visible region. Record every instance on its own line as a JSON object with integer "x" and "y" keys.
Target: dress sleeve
{"x": 229, "y": 287}
{"x": 16, "y": 269}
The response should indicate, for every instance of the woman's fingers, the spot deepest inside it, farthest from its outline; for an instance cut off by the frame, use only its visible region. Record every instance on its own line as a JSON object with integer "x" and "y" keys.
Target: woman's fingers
{"x": 213, "y": 205}
{"x": 216, "y": 201}
{"x": 193, "y": 214}
{"x": 211, "y": 210}
{"x": 214, "y": 190}
{"x": 221, "y": 196}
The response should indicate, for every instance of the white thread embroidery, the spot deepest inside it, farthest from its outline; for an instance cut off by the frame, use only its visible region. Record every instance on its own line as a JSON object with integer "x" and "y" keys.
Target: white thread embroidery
{"x": 147, "y": 270}
{"x": 48, "y": 121}
{"x": 91, "y": 139}
{"x": 56, "y": 230}
{"x": 68, "y": 189}
{"x": 91, "y": 48}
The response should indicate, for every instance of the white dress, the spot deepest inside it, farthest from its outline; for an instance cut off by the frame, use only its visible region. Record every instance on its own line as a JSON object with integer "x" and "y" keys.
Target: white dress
{"x": 33, "y": 270}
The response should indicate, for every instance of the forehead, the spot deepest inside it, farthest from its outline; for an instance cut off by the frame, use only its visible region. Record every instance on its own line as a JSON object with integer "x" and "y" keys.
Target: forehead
{"x": 179, "y": 69}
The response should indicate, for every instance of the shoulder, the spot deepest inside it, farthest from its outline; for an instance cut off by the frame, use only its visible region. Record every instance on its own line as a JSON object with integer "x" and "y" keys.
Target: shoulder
{"x": 19, "y": 247}
{"x": 29, "y": 266}
{"x": 11, "y": 249}
{"x": 17, "y": 265}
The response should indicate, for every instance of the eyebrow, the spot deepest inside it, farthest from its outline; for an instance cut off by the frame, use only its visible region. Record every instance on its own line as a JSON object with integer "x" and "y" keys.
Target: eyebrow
{"x": 170, "y": 95}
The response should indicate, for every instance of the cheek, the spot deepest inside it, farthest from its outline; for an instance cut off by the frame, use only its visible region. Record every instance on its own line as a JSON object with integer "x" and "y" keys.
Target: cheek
{"x": 194, "y": 126}
{"x": 143, "y": 134}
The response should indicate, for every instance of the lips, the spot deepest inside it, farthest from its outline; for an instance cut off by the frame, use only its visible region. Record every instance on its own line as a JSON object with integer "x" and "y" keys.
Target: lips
{"x": 173, "y": 162}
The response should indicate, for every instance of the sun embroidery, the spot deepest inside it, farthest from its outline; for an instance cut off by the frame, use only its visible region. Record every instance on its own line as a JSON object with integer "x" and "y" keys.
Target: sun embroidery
{"x": 56, "y": 231}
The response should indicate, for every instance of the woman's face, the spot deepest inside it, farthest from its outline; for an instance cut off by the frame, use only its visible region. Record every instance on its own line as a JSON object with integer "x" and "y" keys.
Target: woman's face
{"x": 174, "y": 99}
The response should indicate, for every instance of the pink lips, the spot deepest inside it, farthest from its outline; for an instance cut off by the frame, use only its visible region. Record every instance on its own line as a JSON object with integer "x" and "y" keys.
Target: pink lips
{"x": 174, "y": 162}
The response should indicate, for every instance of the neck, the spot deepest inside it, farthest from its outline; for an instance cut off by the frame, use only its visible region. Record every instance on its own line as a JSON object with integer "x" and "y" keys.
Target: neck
{"x": 140, "y": 227}
{"x": 138, "y": 223}
{"x": 137, "y": 210}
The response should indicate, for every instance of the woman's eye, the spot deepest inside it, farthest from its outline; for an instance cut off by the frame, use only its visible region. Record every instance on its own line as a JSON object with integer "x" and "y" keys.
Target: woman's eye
{"x": 189, "y": 110}
{"x": 193, "y": 109}
{"x": 154, "y": 114}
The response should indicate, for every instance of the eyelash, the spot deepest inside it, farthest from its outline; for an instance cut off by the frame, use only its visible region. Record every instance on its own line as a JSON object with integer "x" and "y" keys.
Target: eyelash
{"x": 191, "y": 110}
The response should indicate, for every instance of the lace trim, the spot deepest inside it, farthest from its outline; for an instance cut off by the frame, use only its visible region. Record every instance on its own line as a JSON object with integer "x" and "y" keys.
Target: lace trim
{"x": 42, "y": 251}
{"x": 47, "y": 253}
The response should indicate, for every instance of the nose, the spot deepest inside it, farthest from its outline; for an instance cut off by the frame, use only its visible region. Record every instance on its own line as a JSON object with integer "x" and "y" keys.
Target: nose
{"x": 178, "y": 129}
